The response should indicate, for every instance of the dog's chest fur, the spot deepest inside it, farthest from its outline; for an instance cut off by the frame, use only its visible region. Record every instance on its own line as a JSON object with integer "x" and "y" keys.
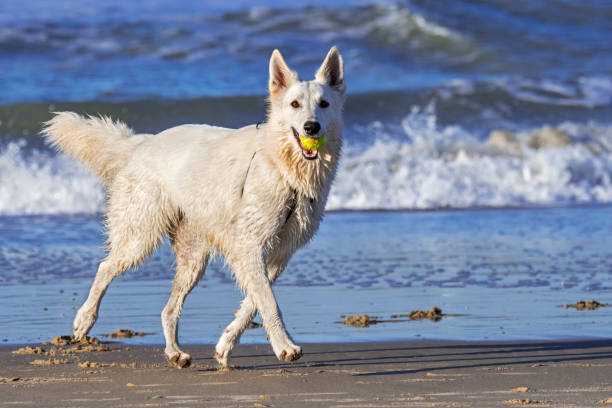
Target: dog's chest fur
{"x": 299, "y": 219}
{"x": 283, "y": 204}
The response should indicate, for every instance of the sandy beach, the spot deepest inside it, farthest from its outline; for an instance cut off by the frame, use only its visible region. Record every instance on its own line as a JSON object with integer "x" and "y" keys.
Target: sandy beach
{"x": 575, "y": 373}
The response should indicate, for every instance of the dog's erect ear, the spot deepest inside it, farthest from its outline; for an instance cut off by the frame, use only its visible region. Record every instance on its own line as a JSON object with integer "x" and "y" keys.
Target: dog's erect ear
{"x": 281, "y": 76}
{"x": 332, "y": 70}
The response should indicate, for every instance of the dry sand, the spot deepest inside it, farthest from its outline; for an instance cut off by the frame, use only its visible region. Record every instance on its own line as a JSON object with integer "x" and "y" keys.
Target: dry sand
{"x": 400, "y": 374}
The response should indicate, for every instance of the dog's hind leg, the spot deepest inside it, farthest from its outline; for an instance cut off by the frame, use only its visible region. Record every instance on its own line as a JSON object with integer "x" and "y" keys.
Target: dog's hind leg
{"x": 137, "y": 219}
{"x": 246, "y": 313}
{"x": 88, "y": 313}
{"x": 114, "y": 265}
{"x": 191, "y": 258}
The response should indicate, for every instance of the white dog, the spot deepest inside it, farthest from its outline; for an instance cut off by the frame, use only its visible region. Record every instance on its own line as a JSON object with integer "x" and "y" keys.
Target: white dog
{"x": 254, "y": 195}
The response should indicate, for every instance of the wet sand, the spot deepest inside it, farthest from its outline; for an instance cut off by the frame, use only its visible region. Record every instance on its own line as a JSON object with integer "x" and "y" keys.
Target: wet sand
{"x": 420, "y": 373}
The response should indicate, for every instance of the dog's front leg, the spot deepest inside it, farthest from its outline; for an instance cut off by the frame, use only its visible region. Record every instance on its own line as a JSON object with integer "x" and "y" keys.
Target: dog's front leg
{"x": 250, "y": 271}
{"x": 231, "y": 335}
{"x": 247, "y": 311}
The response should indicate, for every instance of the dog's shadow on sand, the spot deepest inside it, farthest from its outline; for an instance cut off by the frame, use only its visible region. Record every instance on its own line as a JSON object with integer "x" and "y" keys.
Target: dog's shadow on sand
{"x": 434, "y": 357}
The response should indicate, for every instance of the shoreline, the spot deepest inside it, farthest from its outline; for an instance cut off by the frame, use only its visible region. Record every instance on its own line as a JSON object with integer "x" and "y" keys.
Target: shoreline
{"x": 375, "y": 210}
{"x": 405, "y": 373}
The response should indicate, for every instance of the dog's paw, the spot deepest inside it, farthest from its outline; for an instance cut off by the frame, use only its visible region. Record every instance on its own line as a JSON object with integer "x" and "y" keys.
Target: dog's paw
{"x": 180, "y": 360}
{"x": 290, "y": 353}
{"x": 222, "y": 358}
{"x": 82, "y": 323}
{"x": 224, "y": 348}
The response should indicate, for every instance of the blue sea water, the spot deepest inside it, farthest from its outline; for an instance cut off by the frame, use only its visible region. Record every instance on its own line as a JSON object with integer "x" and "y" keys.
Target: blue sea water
{"x": 428, "y": 87}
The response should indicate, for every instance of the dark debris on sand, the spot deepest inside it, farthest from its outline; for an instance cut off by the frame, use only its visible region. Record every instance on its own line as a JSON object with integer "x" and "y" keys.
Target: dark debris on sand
{"x": 126, "y": 334}
{"x": 70, "y": 341}
{"x": 360, "y": 320}
{"x": 586, "y": 305}
{"x": 434, "y": 314}
{"x": 62, "y": 346}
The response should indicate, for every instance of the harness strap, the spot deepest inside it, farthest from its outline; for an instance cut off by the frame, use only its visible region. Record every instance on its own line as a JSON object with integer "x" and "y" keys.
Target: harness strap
{"x": 247, "y": 174}
{"x": 292, "y": 205}
{"x": 294, "y": 198}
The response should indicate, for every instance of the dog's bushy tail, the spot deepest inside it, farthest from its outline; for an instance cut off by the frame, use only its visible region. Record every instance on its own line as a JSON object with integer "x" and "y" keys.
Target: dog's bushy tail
{"x": 103, "y": 145}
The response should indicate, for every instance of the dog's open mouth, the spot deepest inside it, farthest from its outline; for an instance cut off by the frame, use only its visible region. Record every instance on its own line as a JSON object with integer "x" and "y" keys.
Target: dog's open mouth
{"x": 306, "y": 153}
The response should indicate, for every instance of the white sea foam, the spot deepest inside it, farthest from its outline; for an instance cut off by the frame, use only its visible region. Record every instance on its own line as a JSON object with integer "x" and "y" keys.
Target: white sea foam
{"x": 435, "y": 167}
{"x": 41, "y": 183}
{"x": 422, "y": 166}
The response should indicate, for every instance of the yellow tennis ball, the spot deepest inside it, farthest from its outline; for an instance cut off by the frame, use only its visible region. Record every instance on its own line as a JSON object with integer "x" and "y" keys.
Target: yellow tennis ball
{"x": 312, "y": 143}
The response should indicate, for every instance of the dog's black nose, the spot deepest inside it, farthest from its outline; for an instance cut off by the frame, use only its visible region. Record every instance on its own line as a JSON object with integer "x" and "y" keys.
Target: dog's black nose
{"x": 312, "y": 128}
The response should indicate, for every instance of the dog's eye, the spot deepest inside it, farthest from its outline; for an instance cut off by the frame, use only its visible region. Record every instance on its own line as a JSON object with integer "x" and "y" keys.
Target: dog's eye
{"x": 323, "y": 103}
{"x": 295, "y": 104}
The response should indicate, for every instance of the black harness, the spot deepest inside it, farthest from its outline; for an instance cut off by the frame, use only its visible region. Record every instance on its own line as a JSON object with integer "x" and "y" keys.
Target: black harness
{"x": 292, "y": 205}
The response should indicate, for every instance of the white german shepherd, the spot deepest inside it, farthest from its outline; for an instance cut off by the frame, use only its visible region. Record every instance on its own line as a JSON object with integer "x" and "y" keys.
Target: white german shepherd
{"x": 255, "y": 195}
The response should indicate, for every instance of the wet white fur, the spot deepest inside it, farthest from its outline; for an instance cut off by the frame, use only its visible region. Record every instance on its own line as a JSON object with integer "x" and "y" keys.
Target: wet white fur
{"x": 213, "y": 189}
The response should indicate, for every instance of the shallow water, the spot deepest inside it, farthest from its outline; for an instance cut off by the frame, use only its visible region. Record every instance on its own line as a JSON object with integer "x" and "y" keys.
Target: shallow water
{"x": 506, "y": 273}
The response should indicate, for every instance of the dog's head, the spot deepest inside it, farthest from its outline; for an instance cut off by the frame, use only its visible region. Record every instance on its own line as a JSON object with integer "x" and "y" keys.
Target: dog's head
{"x": 308, "y": 109}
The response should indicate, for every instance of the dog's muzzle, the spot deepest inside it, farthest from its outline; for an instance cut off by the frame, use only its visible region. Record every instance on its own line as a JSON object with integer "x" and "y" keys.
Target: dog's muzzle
{"x": 306, "y": 153}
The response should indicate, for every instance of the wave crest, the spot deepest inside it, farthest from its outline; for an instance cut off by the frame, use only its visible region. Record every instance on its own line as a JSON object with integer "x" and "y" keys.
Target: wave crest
{"x": 430, "y": 167}
{"x": 40, "y": 183}
{"x": 421, "y": 165}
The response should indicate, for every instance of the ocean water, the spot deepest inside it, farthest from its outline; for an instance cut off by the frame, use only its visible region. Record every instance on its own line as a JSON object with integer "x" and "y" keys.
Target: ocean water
{"x": 503, "y": 274}
{"x": 477, "y": 163}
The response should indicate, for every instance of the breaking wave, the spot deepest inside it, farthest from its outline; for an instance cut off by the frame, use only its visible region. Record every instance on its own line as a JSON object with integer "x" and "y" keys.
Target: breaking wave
{"x": 42, "y": 183}
{"x": 430, "y": 167}
{"x": 421, "y": 165}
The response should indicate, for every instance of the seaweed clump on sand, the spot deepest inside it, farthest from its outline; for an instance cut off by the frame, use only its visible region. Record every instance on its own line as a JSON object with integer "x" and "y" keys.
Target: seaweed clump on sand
{"x": 526, "y": 401}
{"x": 77, "y": 346}
{"x": 91, "y": 364}
{"x": 126, "y": 334}
{"x": 49, "y": 362}
{"x": 85, "y": 344}
{"x": 360, "y": 320}
{"x": 586, "y": 305}
{"x": 70, "y": 340}
{"x": 29, "y": 350}
{"x": 434, "y": 314}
